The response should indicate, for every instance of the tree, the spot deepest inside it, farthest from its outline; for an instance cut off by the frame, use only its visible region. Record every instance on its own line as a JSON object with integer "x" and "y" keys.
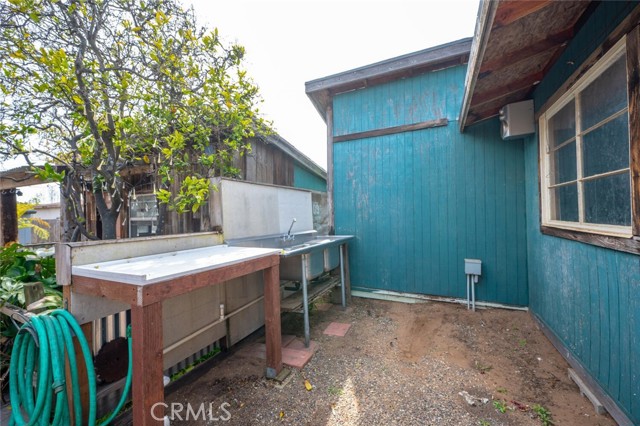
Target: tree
{"x": 39, "y": 226}
{"x": 94, "y": 87}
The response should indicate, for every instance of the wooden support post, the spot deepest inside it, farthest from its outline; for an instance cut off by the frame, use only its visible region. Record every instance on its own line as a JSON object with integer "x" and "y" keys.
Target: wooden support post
{"x": 8, "y": 216}
{"x": 272, "y": 320}
{"x": 87, "y": 330}
{"x": 148, "y": 388}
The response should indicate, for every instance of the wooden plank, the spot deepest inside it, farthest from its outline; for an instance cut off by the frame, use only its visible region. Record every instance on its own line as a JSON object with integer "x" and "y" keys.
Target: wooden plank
{"x": 510, "y": 11}
{"x": 125, "y": 293}
{"x": 272, "y": 321}
{"x": 148, "y": 388}
{"x": 486, "y": 16}
{"x": 628, "y": 245}
{"x": 63, "y": 264}
{"x": 152, "y": 293}
{"x": 330, "y": 165}
{"x": 392, "y": 130}
{"x": 633, "y": 84}
{"x": 293, "y": 302}
{"x": 618, "y": 415}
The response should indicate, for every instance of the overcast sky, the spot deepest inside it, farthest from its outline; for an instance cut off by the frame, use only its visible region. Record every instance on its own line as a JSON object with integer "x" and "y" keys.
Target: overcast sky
{"x": 289, "y": 42}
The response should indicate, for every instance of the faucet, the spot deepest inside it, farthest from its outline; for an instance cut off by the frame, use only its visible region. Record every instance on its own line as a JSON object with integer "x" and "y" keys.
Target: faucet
{"x": 288, "y": 236}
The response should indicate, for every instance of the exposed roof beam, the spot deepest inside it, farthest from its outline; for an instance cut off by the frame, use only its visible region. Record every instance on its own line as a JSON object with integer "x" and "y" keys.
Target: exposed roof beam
{"x": 511, "y": 11}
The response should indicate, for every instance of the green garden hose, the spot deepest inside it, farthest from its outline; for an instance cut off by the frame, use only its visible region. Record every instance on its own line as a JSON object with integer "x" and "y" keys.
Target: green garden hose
{"x": 41, "y": 348}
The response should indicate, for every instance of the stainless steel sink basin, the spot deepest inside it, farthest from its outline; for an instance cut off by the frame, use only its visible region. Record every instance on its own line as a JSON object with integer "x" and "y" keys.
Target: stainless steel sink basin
{"x": 321, "y": 252}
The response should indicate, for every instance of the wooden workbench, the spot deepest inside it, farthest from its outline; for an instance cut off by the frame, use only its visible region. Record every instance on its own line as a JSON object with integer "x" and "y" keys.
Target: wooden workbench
{"x": 145, "y": 282}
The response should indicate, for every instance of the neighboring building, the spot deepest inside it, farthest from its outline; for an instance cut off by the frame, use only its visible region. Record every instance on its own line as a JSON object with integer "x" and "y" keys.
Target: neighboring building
{"x": 419, "y": 173}
{"x": 272, "y": 160}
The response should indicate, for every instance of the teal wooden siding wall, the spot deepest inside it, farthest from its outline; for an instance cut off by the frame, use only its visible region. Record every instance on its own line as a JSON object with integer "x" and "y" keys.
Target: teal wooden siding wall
{"x": 588, "y": 296}
{"x": 302, "y": 178}
{"x": 420, "y": 202}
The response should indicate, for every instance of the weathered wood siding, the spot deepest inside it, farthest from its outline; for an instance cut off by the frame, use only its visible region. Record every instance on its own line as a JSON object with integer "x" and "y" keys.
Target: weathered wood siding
{"x": 303, "y": 178}
{"x": 588, "y": 296}
{"x": 421, "y": 202}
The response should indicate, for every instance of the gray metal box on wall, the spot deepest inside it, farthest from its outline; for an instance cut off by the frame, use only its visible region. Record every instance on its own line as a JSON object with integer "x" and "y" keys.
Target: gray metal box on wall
{"x": 473, "y": 267}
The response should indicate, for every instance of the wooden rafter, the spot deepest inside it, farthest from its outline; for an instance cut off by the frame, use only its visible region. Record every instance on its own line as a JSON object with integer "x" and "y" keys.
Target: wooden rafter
{"x": 510, "y": 11}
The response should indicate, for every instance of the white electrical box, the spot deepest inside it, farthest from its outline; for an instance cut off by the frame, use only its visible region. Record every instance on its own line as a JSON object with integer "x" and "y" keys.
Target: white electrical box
{"x": 473, "y": 266}
{"x": 517, "y": 120}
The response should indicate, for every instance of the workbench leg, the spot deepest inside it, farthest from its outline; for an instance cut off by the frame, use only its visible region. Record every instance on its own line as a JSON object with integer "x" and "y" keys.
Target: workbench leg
{"x": 148, "y": 388}
{"x": 272, "y": 320}
{"x": 347, "y": 273}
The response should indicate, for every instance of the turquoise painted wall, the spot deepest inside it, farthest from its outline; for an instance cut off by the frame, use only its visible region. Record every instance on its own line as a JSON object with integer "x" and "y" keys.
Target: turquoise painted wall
{"x": 588, "y": 296}
{"x": 420, "y": 202}
{"x": 303, "y": 178}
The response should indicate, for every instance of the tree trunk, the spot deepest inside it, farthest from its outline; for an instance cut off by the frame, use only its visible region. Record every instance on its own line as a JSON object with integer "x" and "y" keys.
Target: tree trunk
{"x": 162, "y": 218}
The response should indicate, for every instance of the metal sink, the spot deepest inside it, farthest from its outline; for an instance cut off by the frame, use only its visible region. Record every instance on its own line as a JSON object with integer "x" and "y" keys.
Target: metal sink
{"x": 304, "y": 256}
{"x": 322, "y": 252}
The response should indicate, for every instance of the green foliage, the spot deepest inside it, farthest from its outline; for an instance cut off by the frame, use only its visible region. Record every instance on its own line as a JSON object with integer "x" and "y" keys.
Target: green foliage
{"x": 501, "y": 406}
{"x": 38, "y": 226}
{"x": 190, "y": 367}
{"x": 543, "y": 414}
{"x": 335, "y": 390}
{"x": 19, "y": 266}
{"x": 98, "y": 86}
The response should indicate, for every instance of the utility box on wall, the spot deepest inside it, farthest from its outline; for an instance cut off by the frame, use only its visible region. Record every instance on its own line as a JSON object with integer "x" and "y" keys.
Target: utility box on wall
{"x": 473, "y": 267}
{"x": 517, "y": 120}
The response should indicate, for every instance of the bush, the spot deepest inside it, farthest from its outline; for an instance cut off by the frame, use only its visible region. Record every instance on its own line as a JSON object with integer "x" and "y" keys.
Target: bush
{"x": 19, "y": 266}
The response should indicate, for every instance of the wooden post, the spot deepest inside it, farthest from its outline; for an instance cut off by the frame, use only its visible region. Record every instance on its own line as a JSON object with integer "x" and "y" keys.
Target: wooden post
{"x": 8, "y": 216}
{"x": 148, "y": 388}
{"x": 633, "y": 78}
{"x": 272, "y": 320}
{"x": 329, "y": 121}
{"x": 87, "y": 330}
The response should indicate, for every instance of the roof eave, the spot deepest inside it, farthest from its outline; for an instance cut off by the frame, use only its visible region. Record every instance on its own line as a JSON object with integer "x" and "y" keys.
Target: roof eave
{"x": 321, "y": 90}
{"x": 486, "y": 15}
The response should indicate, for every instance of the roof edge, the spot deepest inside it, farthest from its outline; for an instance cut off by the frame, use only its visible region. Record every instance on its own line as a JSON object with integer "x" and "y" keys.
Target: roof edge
{"x": 298, "y": 156}
{"x": 319, "y": 90}
{"x": 486, "y": 15}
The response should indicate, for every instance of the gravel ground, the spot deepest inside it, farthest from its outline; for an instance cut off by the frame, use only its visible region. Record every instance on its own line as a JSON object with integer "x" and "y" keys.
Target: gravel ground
{"x": 399, "y": 364}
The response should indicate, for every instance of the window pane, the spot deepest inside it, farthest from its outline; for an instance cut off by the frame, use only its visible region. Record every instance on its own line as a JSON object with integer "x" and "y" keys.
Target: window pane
{"x": 606, "y": 95}
{"x": 606, "y": 148}
{"x": 608, "y": 200}
{"x": 562, "y": 126}
{"x": 563, "y": 165}
{"x": 565, "y": 200}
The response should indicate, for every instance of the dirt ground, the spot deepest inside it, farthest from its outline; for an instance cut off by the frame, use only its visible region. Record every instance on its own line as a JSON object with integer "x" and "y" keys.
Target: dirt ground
{"x": 399, "y": 364}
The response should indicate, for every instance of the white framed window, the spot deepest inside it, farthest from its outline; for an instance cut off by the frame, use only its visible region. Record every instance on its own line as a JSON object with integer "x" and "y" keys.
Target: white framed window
{"x": 584, "y": 152}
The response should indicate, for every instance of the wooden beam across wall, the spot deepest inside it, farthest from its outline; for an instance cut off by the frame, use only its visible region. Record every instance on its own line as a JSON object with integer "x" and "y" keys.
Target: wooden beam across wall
{"x": 392, "y": 130}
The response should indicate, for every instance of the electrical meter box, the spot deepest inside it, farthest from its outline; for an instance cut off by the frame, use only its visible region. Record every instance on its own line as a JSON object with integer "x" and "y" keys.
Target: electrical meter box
{"x": 517, "y": 120}
{"x": 473, "y": 267}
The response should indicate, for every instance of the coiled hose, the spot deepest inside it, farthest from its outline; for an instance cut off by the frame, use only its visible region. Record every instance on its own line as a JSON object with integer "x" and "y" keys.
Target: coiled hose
{"x": 40, "y": 350}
